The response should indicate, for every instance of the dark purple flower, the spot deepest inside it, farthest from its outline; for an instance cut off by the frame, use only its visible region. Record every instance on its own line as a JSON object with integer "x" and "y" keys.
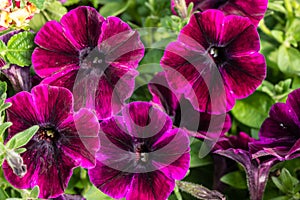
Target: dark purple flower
{"x": 280, "y": 133}
{"x": 253, "y": 9}
{"x": 141, "y": 155}
{"x": 19, "y": 77}
{"x": 65, "y": 140}
{"x": 215, "y": 61}
{"x": 199, "y": 124}
{"x": 94, "y": 57}
{"x": 257, "y": 170}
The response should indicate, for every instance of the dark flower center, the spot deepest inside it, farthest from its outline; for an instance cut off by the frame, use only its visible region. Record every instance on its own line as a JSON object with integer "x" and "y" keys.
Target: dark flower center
{"x": 218, "y": 54}
{"x": 141, "y": 152}
{"x": 219, "y": 3}
{"x": 91, "y": 57}
{"x": 47, "y": 134}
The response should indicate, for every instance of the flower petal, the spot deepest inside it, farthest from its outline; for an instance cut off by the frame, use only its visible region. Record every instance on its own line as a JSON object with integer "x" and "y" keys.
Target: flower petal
{"x": 46, "y": 63}
{"x": 79, "y": 137}
{"x": 120, "y": 43}
{"x": 243, "y": 75}
{"x": 54, "y": 103}
{"x": 150, "y": 186}
{"x": 59, "y": 44}
{"x": 112, "y": 182}
{"x": 82, "y": 26}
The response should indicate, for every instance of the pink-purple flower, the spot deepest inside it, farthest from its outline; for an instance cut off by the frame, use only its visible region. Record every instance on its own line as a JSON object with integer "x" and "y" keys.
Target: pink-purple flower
{"x": 253, "y": 9}
{"x": 94, "y": 57}
{"x": 65, "y": 139}
{"x": 141, "y": 155}
{"x": 199, "y": 124}
{"x": 280, "y": 133}
{"x": 215, "y": 61}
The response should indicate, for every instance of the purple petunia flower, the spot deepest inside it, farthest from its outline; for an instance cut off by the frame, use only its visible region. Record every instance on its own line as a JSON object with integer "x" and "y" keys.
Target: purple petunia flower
{"x": 280, "y": 133}
{"x": 19, "y": 77}
{"x": 200, "y": 124}
{"x": 65, "y": 140}
{"x": 94, "y": 57}
{"x": 141, "y": 155}
{"x": 257, "y": 170}
{"x": 253, "y": 9}
{"x": 214, "y": 61}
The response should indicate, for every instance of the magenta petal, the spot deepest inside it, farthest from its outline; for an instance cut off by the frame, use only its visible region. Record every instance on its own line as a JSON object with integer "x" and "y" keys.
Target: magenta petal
{"x": 47, "y": 167}
{"x": 294, "y": 103}
{"x": 15, "y": 114}
{"x": 110, "y": 181}
{"x": 65, "y": 78}
{"x": 46, "y": 62}
{"x": 122, "y": 78}
{"x": 145, "y": 121}
{"x": 80, "y": 137}
{"x": 50, "y": 100}
{"x": 82, "y": 26}
{"x": 240, "y": 36}
{"x": 120, "y": 43}
{"x": 165, "y": 159}
{"x": 150, "y": 186}
{"x": 241, "y": 71}
{"x": 59, "y": 43}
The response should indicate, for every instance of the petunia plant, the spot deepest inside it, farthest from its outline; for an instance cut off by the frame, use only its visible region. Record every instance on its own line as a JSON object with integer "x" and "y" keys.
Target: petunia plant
{"x": 149, "y": 99}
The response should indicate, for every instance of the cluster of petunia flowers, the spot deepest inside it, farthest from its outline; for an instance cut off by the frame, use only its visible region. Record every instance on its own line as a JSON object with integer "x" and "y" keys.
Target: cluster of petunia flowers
{"x": 86, "y": 65}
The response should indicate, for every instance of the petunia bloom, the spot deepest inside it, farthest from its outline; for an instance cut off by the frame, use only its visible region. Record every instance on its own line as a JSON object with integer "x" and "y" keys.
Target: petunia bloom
{"x": 257, "y": 170}
{"x": 65, "y": 139}
{"x": 199, "y": 124}
{"x": 253, "y": 9}
{"x": 94, "y": 57}
{"x": 280, "y": 133}
{"x": 19, "y": 77}
{"x": 141, "y": 155}
{"x": 215, "y": 61}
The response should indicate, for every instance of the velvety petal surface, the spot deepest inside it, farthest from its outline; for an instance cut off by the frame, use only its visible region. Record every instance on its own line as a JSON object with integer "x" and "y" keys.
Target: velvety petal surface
{"x": 82, "y": 26}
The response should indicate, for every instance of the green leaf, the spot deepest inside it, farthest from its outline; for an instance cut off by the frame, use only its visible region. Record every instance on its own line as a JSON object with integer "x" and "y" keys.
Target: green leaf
{"x": 236, "y": 179}
{"x": 3, "y": 194}
{"x": 114, "y": 8}
{"x": 285, "y": 182}
{"x": 288, "y": 60}
{"x": 278, "y": 35}
{"x": 3, "y": 128}
{"x": 276, "y": 7}
{"x": 52, "y": 11}
{"x": 22, "y": 138}
{"x": 94, "y": 193}
{"x": 19, "y": 49}
{"x": 39, "y": 3}
{"x": 5, "y": 106}
{"x": 72, "y": 2}
{"x": 20, "y": 150}
{"x": 35, "y": 192}
{"x": 2, "y": 47}
{"x": 3, "y": 88}
{"x": 196, "y": 161}
{"x": 253, "y": 110}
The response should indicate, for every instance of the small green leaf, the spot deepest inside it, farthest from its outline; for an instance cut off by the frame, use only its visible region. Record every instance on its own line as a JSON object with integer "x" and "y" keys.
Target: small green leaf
{"x": 72, "y": 2}
{"x": 113, "y": 8}
{"x": 19, "y": 48}
{"x": 2, "y": 47}
{"x": 236, "y": 179}
{"x": 3, "y": 128}
{"x": 22, "y": 138}
{"x": 196, "y": 161}
{"x": 253, "y": 110}
{"x": 20, "y": 150}
{"x": 39, "y": 3}
{"x": 278, "y": 35}
{"x": 3, "y": 88}
{"x": 35, "y": 192}
{"x": 94, "y": 193}
{"x": 4, "y": 106}
{"x": 288, "y": 60}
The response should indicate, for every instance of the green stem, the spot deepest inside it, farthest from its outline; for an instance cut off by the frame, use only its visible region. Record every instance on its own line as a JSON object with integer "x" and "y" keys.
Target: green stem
{"x": 177, "y": 193}
{"x": 264, "y": 28}
{"x": 289, "y": 8}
